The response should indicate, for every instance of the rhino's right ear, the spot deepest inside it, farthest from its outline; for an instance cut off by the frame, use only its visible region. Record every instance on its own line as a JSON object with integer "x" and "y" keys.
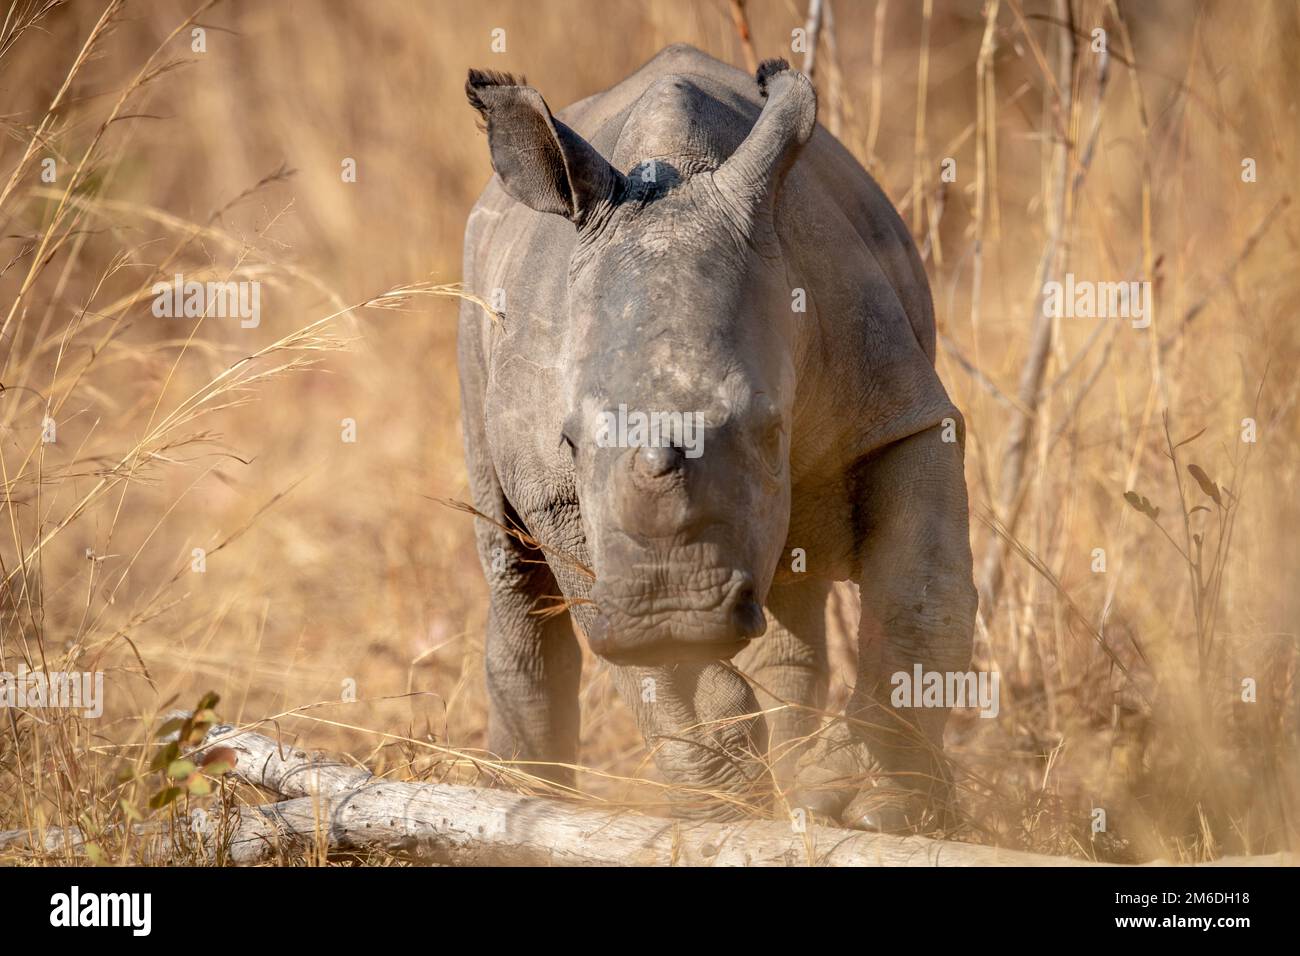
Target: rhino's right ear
{"x": 541, "y": 162}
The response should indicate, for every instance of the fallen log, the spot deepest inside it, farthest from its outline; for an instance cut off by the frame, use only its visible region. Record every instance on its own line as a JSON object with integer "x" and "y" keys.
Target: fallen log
{"x": 338, "y": 807}
{"x": 350, "y": 809}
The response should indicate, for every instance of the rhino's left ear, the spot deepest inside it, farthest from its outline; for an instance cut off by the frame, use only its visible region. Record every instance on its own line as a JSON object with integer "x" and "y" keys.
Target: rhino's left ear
{"x": 754, "y": 171}
{"x": 541, "y": 162}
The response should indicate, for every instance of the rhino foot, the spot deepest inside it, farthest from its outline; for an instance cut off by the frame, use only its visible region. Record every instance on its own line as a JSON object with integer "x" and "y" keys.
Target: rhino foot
{"x": 831, "y": 773}
{"x": 887, "y": 809}
{"x": 891, "y": 808}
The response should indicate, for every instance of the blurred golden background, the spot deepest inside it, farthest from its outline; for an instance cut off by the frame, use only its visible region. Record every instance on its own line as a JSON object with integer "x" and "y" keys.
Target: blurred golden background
{"x": 330, "y": 565}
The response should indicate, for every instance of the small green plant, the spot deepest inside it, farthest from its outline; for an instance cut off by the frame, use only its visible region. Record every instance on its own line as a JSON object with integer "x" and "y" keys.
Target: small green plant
{"x": 179, "y": 775}
{"x": 174, "y": 772}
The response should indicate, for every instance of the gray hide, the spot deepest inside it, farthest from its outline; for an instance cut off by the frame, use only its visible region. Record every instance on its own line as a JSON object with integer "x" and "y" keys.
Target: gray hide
{"x": 689, "y": 244}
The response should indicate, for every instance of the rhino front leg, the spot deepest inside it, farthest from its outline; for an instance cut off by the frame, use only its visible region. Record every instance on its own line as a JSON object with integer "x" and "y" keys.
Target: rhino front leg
{"x": 789, "y": 671}
{"x": 703, "y": 727}
{"x": 533, "y": 663}
{"x": 918, "y": 607}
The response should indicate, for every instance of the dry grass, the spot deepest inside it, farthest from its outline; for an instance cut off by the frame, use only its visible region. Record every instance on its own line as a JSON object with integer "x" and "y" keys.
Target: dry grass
{"x": 330, "y": 565}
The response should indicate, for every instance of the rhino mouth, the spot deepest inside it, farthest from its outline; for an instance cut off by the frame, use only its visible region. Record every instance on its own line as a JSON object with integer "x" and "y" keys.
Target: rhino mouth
{"x": 654, "y": 655}
{"x": 634, "y": 626}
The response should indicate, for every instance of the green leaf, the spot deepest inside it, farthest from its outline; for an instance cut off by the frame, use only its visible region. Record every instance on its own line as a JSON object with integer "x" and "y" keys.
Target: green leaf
{"x": 219, "y": 760}
{"x": 180, "y": 769}
{"x": 165, "y": 756}
{"x": 95, "y": 853}
{"x": 164, "y": 797}
{"x": 173, "y": 726}
{"x": 199, "y": 785}
{"x": 129, "y": 808}
{"x": 208, "y": 701}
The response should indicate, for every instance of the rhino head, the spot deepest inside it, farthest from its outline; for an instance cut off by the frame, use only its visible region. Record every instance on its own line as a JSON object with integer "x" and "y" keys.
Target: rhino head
{"x": 679, "y": 372}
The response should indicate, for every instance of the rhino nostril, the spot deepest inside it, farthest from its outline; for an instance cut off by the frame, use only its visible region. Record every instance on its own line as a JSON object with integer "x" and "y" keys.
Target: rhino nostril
{"x": 657, "y": 462}
{"x": 747, "y": 614}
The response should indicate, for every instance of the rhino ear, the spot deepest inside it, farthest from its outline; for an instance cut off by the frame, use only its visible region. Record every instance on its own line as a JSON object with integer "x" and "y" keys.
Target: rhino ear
{"x": 541, "y": 162}
{"x": 755, "y": 170}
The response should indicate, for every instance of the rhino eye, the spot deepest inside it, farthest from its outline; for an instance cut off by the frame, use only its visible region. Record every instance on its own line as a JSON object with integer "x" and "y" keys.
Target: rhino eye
{"x": 771, "y": 444}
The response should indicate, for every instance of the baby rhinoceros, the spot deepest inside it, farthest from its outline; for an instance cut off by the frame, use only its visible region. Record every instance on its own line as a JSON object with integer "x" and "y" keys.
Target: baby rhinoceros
{"x": 707, "y": 390}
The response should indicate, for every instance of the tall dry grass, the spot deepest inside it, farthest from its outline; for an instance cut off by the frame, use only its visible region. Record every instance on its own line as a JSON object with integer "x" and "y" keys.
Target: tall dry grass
{"x": 330, "y": 565}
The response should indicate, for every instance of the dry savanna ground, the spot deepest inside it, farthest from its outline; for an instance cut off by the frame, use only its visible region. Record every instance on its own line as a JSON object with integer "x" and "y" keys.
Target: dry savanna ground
{"x": 1147, "y": 645}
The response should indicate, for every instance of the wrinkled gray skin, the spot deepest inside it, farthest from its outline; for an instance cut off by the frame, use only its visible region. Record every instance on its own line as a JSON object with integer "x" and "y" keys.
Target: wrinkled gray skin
{"x": 649, "y": 241}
